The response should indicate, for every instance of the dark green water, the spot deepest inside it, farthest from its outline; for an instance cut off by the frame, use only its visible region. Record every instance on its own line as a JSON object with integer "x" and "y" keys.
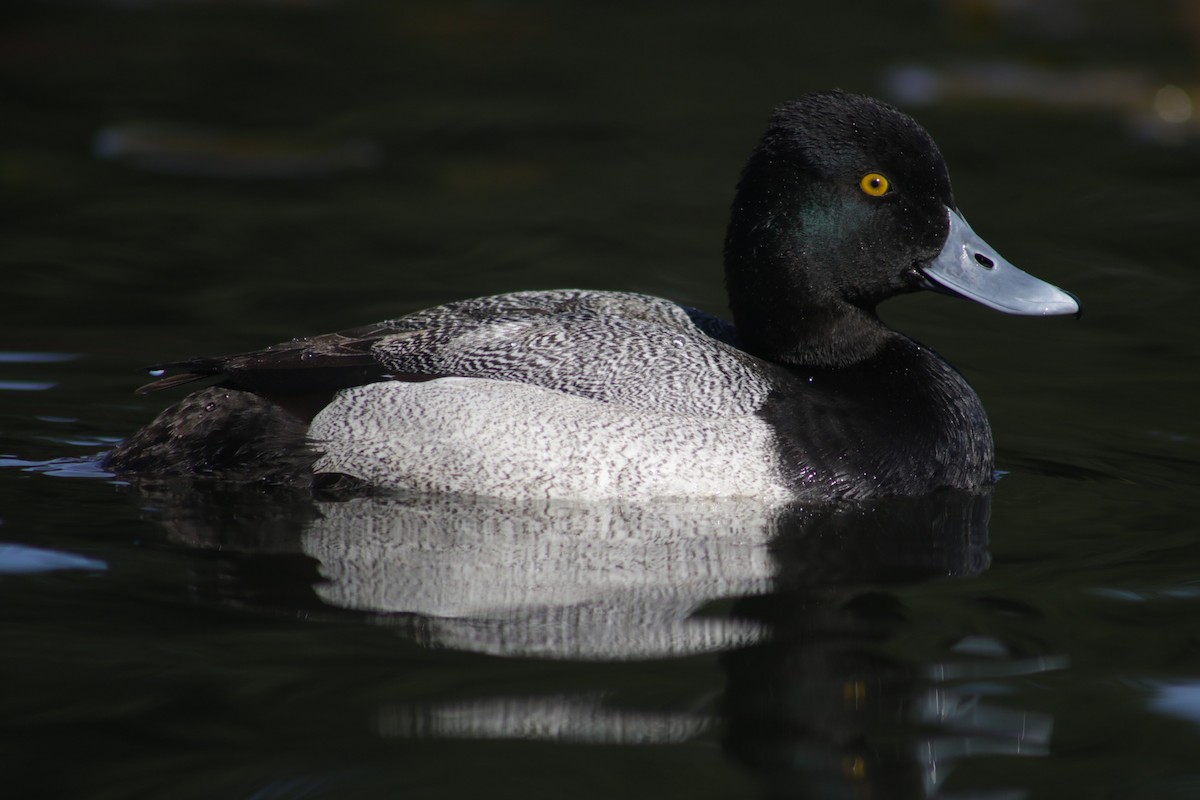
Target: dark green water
{"x": 193, "y": 177}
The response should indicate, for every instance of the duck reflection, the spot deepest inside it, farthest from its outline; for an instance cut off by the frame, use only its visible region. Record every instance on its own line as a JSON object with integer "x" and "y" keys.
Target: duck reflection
{"x": 820, "y": 703}
{"x": 596, "y": 581}
{"x": 798, "y": 605}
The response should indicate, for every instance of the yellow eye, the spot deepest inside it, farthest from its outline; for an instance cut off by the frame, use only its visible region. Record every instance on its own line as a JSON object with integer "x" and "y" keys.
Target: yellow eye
{"x": 875, "y": 184}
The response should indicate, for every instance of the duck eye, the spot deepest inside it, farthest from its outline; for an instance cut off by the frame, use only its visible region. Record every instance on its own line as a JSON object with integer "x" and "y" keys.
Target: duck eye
{"x": 875, "y": 184}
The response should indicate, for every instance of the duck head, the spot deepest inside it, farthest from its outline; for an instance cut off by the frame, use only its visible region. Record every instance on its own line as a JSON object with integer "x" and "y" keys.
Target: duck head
{"x": 846, "y": 202}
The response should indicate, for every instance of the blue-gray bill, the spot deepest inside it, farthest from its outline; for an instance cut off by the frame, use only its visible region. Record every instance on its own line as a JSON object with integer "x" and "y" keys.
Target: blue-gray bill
{"x": 970, "y": 268}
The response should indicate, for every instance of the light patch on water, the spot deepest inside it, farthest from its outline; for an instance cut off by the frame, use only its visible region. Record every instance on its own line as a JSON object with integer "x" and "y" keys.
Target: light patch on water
{"x": 27, "y": 357}
{"x": 1005, "y": 668}
{"x": 88, "y": 467}
{"x": 16, "y": 559}
{"x": 1184, "y": 591}
{"x": 26, "y": 386}
{"x": 1180, "y": 700}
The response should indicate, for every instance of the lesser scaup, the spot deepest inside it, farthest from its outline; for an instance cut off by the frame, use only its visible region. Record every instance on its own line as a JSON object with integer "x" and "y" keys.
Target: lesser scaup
{"x": 808, "y": 396}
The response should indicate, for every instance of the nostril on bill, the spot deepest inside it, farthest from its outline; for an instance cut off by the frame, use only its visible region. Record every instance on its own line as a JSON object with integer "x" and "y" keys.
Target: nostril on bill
{"x": 984, "y": 261}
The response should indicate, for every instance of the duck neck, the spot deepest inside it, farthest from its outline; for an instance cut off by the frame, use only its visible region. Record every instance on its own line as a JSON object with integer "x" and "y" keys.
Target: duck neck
{"x": 785, "y": 308}
{"x": 828, "y": 337}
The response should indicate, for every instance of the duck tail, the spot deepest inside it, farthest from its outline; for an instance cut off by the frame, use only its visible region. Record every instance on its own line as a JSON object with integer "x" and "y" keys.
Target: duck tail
{"x": 196, "y": 369}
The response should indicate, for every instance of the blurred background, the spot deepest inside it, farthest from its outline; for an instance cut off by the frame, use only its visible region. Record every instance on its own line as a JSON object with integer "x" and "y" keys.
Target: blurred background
{"x": 191, "y": 177}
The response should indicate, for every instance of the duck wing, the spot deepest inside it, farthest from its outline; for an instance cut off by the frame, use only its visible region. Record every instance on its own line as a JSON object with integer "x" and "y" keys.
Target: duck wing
{"x": 328, "y": 362}
{"x": 618, "y": 347}
{"x": 622, "y": 348}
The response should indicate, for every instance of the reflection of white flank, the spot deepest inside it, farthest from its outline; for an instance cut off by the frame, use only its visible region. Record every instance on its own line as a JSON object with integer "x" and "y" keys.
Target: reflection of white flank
{"x": 594, "y": 580}
{"x": 593, "y": 632}
{"x": 556, "y": 718}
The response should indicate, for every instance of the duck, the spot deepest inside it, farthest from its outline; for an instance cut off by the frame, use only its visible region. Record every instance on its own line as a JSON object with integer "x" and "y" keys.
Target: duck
{"x": 806, "y": 395}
